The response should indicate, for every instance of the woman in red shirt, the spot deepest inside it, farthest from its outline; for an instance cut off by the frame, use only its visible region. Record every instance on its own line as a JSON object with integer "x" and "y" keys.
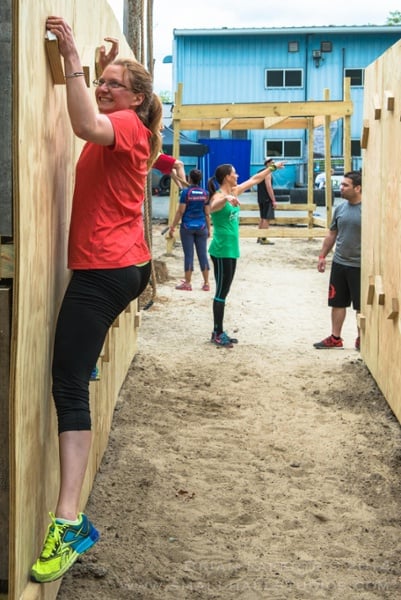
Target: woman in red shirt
{"x": 110, "y": 263}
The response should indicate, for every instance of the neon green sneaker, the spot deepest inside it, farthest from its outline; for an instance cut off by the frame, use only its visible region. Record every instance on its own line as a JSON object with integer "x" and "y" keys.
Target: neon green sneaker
{"x": 62, "y": 546}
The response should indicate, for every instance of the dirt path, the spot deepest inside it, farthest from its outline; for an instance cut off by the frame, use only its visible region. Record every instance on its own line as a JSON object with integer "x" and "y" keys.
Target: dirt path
{"x": 269, "y": 471}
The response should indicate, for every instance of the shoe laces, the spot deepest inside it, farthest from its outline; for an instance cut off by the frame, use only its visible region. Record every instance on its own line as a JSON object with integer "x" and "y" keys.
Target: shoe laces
{"x": 53, "y": 537}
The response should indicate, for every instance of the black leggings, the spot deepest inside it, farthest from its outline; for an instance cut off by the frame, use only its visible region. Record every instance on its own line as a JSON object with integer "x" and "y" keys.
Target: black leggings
{"x": 224, "y": 271}
{"x": 92, "y": 301}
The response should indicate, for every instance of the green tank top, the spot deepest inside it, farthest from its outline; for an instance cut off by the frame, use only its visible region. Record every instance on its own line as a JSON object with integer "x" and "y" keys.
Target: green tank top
{"x": 225, "y": 242}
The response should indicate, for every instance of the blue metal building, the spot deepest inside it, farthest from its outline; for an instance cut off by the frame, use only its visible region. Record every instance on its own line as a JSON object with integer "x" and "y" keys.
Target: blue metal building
{"x": 279, "y": 65}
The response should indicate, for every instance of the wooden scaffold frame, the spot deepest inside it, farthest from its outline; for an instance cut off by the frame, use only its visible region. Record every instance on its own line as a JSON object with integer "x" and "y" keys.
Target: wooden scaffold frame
{"x": 272, "y": 115}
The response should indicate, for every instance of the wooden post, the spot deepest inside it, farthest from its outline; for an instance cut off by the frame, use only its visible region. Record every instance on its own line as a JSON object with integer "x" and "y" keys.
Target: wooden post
{"x": 347, "y": 128}
{"x": 327, "y": 162}
{"x": 311, "y": 182}
{"x": 5, "y": 310}
{"x": 176, "y": 152}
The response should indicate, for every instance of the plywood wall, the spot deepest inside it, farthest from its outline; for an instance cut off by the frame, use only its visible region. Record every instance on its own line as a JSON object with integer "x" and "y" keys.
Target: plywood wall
{"x": 381, "y": 225}
{"x": 44, "y": 154}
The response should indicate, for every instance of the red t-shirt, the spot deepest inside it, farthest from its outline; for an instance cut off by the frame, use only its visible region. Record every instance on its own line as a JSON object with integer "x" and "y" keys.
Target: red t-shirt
{"x": 106, "y": 230}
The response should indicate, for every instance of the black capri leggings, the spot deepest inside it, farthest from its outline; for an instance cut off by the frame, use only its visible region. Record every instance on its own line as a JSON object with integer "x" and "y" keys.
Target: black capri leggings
{"x": 224, "y": 271}
{"x": 92, "y": 301}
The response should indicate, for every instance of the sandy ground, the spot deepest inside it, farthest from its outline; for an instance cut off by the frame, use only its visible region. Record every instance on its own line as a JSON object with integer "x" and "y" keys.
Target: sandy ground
{"x": 268, "y": 471}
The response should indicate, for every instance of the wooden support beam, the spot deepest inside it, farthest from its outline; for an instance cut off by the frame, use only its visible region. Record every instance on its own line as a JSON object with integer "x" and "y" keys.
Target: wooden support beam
{"x": 243, "y": 123}
{"x": 224, "y": 122}
{"x": 282, "y": 220}
{"x": 278, "y": 220}
{"x": 347, "y": 129}
{"x": 319, "y": 222}
{"x": 295, "y": 207}
{"x": 270, "y": 122}
{"x": 283, "y": 207}
{"x": 262, "y": 110}
{"x": 327, "y": 163}
{"x": 283, "y": 232}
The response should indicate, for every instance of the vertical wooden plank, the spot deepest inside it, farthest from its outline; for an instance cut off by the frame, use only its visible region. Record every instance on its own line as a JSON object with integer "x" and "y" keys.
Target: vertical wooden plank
{"x": 327, "y": 162}
{"x": 6, "y": 74}
{"x": 347, "y": 128}
{"x": 176, "y": 152}
{"x": 5, "y": 320}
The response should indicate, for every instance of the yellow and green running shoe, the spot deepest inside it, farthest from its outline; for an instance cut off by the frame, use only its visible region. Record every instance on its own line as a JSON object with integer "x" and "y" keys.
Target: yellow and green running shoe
{"x": 62, "y": 546}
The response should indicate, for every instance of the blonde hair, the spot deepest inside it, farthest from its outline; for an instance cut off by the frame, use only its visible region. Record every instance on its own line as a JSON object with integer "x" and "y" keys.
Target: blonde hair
{"x": 150, "y": 111}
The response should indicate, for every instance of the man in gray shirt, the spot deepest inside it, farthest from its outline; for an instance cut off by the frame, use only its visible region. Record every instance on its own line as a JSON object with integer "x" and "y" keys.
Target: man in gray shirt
{"x": 345, "y": 274}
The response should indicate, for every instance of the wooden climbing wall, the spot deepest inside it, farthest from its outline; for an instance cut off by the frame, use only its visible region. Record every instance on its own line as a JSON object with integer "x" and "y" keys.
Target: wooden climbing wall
{"x": 381, "y": 225}
{"x": 44, "y": 152}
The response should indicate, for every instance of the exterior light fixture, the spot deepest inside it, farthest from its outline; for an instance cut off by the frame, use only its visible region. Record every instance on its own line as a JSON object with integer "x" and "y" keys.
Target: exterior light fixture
{"x": 317, "y": 57}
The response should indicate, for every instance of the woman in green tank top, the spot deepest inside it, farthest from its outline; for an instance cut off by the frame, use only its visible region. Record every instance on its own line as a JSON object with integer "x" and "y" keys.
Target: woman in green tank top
{"x": 224, "y": 190}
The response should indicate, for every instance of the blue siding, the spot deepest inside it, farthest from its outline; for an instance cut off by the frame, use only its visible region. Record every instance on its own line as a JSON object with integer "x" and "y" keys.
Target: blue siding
{"x": 220, "y": 66}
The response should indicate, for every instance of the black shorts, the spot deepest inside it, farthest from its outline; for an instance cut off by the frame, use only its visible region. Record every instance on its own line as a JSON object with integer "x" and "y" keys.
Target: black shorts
{"x": 344, "y": 286}
{"x": 266, "y": 209}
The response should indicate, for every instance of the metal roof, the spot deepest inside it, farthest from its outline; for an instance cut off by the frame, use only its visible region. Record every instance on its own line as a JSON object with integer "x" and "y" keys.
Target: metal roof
{"x": 341, "y": 29}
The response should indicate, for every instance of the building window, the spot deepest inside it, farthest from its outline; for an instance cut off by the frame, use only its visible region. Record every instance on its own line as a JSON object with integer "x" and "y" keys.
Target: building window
{"x": 283, "y": 148}
{"x": 356, "y": 76}
{"x": 283, "y": 78}
{"x": 293, "y": 46}
{"x": 326, "y": 47}
{"x": 355, "y": 147}
{"x": 239, "y": 134}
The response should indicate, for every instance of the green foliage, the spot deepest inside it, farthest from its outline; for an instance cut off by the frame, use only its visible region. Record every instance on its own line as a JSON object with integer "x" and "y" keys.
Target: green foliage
{"x": 166, "y": 96}
{"x": 394, "y": 18}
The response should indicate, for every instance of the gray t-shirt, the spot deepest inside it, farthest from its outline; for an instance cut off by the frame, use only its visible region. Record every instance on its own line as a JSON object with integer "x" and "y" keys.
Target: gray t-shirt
{"x": 347, "y": 222}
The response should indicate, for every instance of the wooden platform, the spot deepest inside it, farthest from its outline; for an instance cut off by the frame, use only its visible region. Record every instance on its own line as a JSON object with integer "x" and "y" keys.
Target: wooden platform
{"x": 283, "y": 232}
{"x": 283, "y": 226}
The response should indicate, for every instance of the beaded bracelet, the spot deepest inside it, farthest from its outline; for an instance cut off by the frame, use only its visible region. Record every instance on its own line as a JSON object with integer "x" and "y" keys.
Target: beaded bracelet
{"x": 76, "y": 74}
